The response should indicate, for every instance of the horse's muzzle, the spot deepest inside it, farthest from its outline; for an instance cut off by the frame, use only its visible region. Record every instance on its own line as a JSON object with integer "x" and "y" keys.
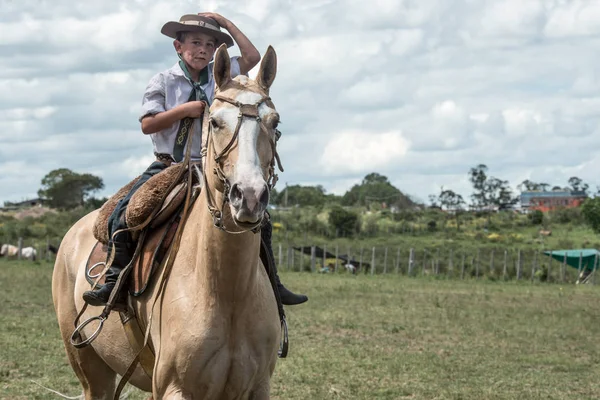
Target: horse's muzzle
{"x": 248, "y": 203}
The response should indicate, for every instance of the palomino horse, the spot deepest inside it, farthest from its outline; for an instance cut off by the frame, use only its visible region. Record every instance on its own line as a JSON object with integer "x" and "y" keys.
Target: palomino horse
{"x": 215, "y": 329}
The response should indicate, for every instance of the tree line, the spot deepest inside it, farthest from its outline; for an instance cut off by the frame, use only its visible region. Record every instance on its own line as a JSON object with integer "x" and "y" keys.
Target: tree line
{"x": 65, "y": 189}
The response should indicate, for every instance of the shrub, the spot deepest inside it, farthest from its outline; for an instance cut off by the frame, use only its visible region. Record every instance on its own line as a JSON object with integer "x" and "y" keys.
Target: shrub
{"x": 536, "y": 217}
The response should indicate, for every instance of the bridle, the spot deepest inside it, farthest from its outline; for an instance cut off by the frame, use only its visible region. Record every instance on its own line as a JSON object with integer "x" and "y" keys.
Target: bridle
{"x": 248, "y": 111}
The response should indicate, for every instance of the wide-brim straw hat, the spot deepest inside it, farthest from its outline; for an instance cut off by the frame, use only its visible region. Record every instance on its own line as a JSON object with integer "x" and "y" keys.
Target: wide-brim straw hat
{"x": 197, "y": 23}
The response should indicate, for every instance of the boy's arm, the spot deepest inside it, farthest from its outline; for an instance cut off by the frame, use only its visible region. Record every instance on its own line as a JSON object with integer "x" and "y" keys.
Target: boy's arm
{"x": 153, "y": 123}
{"x": 250, "y": 55}
{"x": 155, "y": 117}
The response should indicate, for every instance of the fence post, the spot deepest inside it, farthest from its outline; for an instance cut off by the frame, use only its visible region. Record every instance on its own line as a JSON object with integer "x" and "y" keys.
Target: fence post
{"x": 348, "y": 255}
{"x": 411, "y": 261}
{"x": 48, "y": 257}
{"x": 424, "y": 262}
{"x": 450, "y": 271}
{"x": 518, "y": 264}
{"x": 280, "y": 257}
{"x": 594, "y": 272}
{"x": 477, "y": 264}
{"x": 437, "y": 262}
{"x": 492, "y": 267}
{"x": 579, "y": 267}
{"x": 313, "y": 258}
{"x": 360, "y": 259}
{"x": 504, "y": 267}
{"x": 462, "y": 270}
{"x": 548, "y": 275}
{"x": 294, "y": 259}
{"x": 385, "y": 261}
{"x": 20, "y": 248}
{"x": 534, "y": 267}
{"x": 337, "y": 253}
{"x": 289, "y": 256}
{"x": 373, "y": 261}
{"x": 564, "y": 268}
{"x": 398, "y": 262}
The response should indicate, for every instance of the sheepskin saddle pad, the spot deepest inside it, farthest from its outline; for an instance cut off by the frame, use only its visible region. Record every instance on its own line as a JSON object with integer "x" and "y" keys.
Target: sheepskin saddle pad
{"x": 145, "y": 200}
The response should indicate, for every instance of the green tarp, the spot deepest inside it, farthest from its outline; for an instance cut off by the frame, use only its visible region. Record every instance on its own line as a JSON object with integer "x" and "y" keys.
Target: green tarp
{"x": 588, "y": 257}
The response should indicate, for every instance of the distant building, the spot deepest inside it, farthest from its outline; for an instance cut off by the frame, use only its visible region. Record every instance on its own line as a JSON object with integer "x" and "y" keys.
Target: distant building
{"x": 547, "y": 201}
{"x": 20, "y": 205}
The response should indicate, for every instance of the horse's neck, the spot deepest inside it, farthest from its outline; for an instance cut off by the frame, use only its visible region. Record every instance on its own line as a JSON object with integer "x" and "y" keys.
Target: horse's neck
{"x": 225, "y": 264}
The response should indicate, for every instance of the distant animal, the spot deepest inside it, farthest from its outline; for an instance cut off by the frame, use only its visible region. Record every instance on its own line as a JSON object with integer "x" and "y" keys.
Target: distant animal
{"x": 29, "y": 253}
{"x": 350, "y": 268}
{"x": 545, "y": 232}
{"x": 8, "y": 250}
{"x": 52, "y": 249}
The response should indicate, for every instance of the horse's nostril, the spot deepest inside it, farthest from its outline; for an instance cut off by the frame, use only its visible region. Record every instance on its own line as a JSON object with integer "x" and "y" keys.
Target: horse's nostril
{"x": 264, "y": 196}
{"x": 235, "y": 194}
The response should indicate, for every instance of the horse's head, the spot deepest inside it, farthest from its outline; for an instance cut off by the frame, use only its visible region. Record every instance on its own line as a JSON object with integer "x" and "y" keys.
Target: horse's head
{"x": 240, "y": 140}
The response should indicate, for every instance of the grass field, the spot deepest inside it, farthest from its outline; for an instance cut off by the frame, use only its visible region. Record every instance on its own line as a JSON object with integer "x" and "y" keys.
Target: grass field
{"x": 366, "y": 337}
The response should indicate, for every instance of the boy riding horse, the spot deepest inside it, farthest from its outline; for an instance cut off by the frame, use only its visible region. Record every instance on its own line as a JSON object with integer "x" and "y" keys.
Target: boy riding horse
{"x": 173, "y": 99}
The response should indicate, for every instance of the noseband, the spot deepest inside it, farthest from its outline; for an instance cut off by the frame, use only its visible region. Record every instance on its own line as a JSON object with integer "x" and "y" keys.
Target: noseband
{"x": 248, "y": 111}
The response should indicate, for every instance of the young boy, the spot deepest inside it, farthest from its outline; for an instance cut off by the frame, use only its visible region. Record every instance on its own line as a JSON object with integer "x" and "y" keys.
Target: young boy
{"x": 173, "y": 96}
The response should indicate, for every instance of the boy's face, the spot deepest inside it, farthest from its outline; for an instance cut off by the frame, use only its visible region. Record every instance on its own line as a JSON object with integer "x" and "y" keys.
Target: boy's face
{"x": 197, "y": 49}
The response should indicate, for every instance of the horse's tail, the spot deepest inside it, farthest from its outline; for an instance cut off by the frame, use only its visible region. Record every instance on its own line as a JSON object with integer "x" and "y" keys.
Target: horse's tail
{"x": 80, "y": 397}
{"x": 64, "y": 396}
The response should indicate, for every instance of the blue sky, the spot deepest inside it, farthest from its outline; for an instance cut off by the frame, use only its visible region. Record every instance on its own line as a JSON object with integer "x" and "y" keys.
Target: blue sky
{"x": 419, "y": 91}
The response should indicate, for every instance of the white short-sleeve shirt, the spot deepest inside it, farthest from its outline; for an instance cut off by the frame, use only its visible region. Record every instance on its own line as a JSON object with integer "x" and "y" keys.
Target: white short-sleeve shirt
{"x": 169, "y": 89}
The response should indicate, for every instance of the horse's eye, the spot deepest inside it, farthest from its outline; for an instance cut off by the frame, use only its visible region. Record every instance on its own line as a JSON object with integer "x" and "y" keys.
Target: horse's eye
{"x": 214, "y": 123}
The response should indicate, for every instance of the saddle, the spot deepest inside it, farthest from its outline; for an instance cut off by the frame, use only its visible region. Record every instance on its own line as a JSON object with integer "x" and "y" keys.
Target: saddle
{"x": 161, "y": 229}
{"x": 154, "y": 248}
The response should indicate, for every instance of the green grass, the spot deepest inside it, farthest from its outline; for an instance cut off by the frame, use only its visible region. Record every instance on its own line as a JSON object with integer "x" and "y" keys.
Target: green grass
{"x": 364, "y": 337}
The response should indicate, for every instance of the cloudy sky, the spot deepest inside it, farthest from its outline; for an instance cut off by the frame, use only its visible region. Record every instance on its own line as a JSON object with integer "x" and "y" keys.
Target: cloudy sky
{"x": 417, "y": 90}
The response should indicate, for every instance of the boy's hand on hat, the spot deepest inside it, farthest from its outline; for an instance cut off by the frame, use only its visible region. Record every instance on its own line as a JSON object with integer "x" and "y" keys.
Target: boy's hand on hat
{"x": 193, "y": 109}
{"x": 221, "y": 20}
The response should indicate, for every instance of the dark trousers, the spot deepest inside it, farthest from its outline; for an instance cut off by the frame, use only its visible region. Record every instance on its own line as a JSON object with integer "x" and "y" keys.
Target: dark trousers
{"x": 117, "y": 218}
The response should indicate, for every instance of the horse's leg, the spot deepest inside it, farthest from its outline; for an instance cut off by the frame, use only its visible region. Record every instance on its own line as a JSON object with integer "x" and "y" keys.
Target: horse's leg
{"x": 261, "y": 392}
{"x": 97, "y": 379}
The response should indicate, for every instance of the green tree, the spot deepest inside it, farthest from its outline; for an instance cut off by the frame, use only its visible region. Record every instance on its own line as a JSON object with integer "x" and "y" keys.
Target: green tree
{"x": 344, "y": 222}
{"x": 375, "y": 188}
{"x": 478, "y": 178}
{"x": 591, "y": 213}
{"x": 453, "y": 202}
{"x": 499, "y": 193}
{"x": 577, "y": 185}
{"x": 528, "y": 186}
{"x": 65, "y": 189}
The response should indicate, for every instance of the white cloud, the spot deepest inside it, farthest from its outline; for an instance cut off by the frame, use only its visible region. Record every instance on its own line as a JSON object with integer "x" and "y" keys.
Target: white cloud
{"x": 419, "y": 91}
{"x": 574, "y": 18}
{"x": 360, "y": 152}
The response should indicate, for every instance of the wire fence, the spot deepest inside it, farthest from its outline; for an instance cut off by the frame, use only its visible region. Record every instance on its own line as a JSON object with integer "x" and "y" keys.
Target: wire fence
{"x": 493, "y": 264}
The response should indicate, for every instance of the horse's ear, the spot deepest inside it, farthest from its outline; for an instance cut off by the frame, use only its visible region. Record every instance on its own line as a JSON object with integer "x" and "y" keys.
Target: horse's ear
{"x": 268, "y": 69}
{"x": 222, "y": 67}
